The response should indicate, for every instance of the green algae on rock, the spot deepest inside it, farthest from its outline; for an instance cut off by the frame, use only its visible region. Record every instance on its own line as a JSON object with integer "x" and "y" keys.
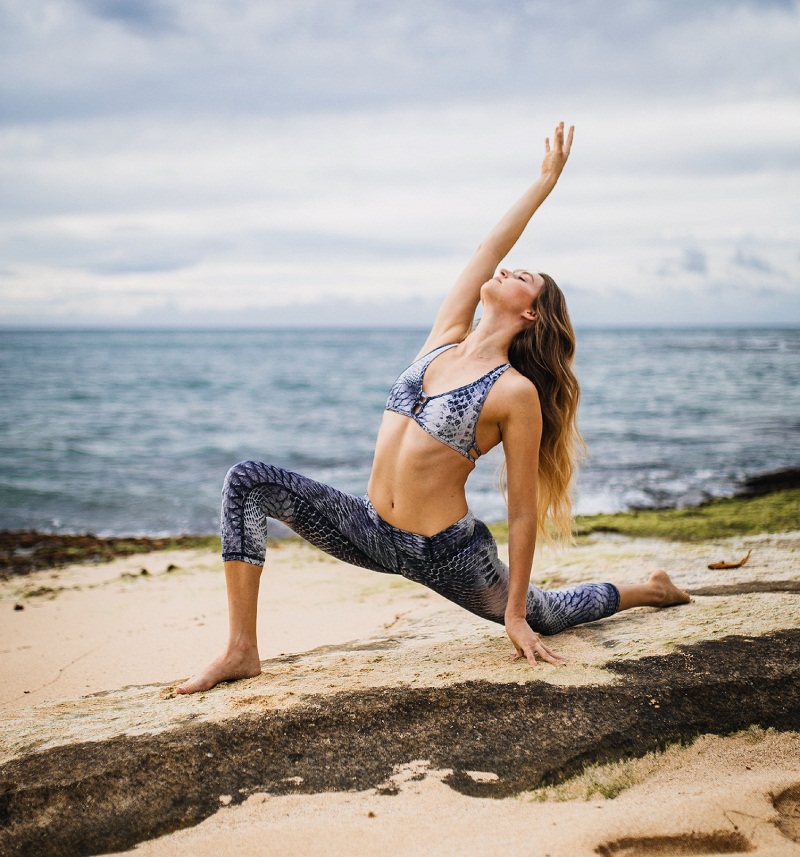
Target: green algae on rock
{"x": 778, "y": 512}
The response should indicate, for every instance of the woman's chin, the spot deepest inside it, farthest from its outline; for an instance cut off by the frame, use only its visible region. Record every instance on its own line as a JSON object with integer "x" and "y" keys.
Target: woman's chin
{"x": 489, "y": 288}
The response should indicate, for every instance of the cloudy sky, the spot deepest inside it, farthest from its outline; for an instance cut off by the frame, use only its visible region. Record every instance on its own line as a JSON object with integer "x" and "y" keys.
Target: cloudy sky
{"x": 257, "y": 162}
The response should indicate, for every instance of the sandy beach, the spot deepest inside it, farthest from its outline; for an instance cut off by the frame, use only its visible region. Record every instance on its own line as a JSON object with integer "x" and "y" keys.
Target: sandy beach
{"x": 388, "y": 721}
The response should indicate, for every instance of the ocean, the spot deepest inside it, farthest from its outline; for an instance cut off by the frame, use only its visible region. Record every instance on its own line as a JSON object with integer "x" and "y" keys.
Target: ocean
{"x": 132, "y": 432}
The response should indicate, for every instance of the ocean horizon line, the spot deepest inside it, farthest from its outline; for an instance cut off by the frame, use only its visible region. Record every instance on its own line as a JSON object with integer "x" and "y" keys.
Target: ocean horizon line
{"x": 356, "y": 328}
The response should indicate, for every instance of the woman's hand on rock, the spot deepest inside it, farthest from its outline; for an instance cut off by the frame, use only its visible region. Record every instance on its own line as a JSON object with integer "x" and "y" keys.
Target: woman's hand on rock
{"x": 528, "y": 645}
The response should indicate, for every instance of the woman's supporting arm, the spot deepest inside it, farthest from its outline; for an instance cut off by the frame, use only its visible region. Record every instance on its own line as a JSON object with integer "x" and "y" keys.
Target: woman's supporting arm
{"x": 522, "y": 432}
{"x": 455, "y": 316}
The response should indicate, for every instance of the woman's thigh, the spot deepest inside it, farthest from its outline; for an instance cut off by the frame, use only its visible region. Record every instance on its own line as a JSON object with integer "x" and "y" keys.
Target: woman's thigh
{"x": 332, "y": 520}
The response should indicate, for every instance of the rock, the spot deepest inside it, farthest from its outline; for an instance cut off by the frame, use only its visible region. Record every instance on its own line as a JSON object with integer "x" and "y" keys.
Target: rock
{"x": 767, "y": 483}
{"x": 142, "y": 786}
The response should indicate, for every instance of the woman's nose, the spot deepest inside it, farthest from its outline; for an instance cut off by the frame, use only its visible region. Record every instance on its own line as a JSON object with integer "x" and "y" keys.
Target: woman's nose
{"x": 503, "y": 272}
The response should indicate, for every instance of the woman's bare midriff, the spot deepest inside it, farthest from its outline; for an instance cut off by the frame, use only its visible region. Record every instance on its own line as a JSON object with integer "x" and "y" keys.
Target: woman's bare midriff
{"x": 417, "y": 482}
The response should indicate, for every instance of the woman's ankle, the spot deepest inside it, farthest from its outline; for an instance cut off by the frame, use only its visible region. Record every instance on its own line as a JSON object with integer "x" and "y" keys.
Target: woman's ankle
{"x": 241, "y": 647}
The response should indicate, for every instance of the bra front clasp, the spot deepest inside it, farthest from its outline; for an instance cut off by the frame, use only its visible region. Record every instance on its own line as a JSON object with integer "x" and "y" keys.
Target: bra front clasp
{"x": 422, "y": 400}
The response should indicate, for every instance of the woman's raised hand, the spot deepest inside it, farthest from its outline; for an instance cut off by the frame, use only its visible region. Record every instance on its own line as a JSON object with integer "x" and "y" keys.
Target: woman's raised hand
{"x": 528, "y": 644}
{"x": 556, "y": 156}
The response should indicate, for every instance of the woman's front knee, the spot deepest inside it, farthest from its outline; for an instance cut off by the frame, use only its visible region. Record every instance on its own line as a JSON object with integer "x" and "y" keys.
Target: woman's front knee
{"x": 243, "y": 470}
{"x": 242, "y": 478}
{"x": 250, "y": 473}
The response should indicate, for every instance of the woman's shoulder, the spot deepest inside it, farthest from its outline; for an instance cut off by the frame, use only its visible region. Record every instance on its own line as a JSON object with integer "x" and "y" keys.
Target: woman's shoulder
{"x": 513, "y": 391}
{"x": 518, "y": 384}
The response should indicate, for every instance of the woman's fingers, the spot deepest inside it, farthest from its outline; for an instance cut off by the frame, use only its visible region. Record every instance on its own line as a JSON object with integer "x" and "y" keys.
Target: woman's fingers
{"x": 569, "y": 140}
{"x": 558, "y": 137}
{"x": 528, "y": 644}
{"x": 550, "y": 656}
{"x": 555, "y": 156}
{"x": 539, "y": 648}
{"x": 528, "y": 654}
{"x": 560, "y": 145}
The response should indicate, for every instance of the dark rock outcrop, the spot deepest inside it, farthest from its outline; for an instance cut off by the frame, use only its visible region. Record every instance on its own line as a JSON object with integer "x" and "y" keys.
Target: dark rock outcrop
{"x": 106, "y": 796}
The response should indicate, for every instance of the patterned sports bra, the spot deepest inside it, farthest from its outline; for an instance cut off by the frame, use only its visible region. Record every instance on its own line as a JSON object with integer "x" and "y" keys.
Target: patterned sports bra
{"x": 451, "y": 417}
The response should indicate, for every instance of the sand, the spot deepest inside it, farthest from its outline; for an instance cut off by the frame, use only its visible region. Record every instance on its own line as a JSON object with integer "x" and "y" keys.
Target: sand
{"x": 97, "y": 650}
{"x": 714, "y": 797}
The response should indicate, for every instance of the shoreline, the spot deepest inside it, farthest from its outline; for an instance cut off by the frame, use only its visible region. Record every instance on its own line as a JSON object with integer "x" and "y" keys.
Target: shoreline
{"x": 768, "y": 503}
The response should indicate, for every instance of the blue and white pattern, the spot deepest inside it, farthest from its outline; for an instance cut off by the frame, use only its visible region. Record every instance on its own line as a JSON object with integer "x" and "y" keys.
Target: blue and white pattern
{"x": 451, "y": 417}
{"x": 460, "y": 562}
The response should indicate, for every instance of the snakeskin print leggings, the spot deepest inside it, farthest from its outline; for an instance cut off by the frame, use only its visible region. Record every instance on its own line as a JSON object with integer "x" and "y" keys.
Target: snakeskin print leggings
{"x": 460, "y": 563}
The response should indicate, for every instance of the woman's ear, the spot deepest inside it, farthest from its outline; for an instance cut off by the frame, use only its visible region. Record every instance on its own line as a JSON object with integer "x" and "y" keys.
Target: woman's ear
{"x": 530, "y": 314}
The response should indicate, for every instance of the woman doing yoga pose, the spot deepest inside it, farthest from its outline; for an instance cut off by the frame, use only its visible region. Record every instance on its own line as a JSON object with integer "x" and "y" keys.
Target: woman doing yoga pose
{"x": 507, "y": 381}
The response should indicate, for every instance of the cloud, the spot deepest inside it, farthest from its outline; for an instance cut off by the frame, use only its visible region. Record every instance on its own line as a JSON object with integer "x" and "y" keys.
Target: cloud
{"x": 751, "y": 262}
{"x": 691, "y": 261}
{"x": 210, "y": 155}
{"x": 147, "y": 17}
{"x": 104, "y": 57}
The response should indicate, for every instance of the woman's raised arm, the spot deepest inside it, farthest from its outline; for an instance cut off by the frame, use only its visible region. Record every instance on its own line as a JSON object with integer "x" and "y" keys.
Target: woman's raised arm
{"x": 455, "y": 316}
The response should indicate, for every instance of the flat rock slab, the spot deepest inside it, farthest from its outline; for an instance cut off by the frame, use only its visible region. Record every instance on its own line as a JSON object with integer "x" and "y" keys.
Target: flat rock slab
{"x": 96, "y": 797}
{"x": 424, "y": 688}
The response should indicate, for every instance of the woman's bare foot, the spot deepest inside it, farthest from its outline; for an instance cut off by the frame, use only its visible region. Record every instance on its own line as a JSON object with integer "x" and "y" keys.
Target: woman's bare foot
{"x": 666, "y": 592}
{"x": 658, "y": 591}
{"x": 232, "y": 664}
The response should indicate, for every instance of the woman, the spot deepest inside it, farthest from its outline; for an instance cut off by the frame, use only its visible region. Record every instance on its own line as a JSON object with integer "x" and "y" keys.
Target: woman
{"x": 507, "y": 381}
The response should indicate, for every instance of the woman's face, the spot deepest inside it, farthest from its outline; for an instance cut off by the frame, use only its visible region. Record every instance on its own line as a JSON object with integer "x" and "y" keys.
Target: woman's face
{"x": 518, "y": 289}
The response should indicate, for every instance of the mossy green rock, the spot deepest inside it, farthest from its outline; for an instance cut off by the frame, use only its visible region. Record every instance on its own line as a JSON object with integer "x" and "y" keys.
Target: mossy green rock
{"x": 717, "y": 519}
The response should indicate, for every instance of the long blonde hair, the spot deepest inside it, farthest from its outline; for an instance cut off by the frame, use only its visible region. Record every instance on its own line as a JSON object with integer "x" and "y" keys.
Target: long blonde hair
{"x": 544, "y": 353}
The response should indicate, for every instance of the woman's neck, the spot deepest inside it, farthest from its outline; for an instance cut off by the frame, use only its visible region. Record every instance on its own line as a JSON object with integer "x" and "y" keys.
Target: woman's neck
{"x": 489, "y": 341}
